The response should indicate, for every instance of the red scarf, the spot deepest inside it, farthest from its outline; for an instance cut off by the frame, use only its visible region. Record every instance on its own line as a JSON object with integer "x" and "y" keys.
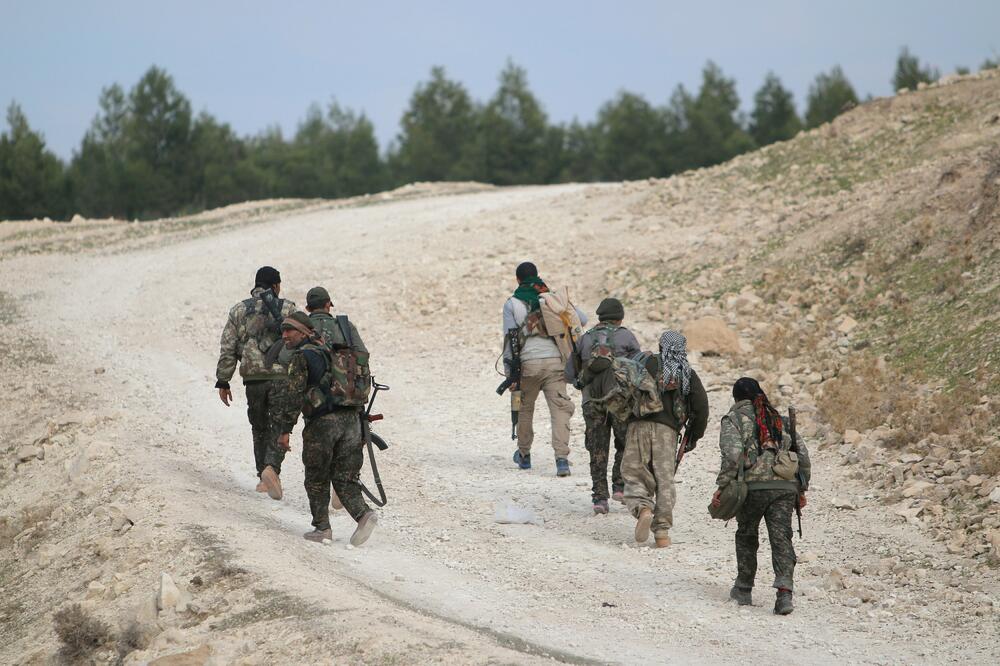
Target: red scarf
{"x": 769, "y": 423}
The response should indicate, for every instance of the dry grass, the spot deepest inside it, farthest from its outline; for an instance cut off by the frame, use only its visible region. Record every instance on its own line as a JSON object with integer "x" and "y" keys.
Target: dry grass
{"x": 79, "y": 632}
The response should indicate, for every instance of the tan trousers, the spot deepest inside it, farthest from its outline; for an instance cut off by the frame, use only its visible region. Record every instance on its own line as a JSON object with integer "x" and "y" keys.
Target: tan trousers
{"x": 545, "y": 376}
{"x": 648, "y": 470}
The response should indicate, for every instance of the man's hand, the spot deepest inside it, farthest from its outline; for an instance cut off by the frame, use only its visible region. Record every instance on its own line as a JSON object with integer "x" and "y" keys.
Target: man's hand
{"x": 226, "y": 396}
{"x": 283, "y": 442}
{"x": 802, "y": 500}
{"x": 717, "y": 498}
{"x": 689, "y": 444}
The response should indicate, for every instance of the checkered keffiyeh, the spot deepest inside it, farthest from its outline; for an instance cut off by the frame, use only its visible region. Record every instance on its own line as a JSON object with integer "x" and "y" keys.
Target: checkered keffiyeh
{"x": 673, "y": 359}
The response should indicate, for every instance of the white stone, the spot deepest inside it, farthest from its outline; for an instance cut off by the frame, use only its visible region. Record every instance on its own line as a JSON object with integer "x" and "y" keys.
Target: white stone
{"x": 26, "y": 453}
{"x": 917, "y": 488}
{"x": 78, "y": 467}
{"x": 847, "y": 325}
{"x": 995, "y": 495}
{"x": 844, "y": 503}
{"x": 169, "y": 596}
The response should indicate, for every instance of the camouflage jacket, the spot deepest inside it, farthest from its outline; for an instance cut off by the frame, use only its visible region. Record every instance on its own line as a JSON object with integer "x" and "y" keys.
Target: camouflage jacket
{"x": 249, "y": 333}
{"x": 738, "y": 436}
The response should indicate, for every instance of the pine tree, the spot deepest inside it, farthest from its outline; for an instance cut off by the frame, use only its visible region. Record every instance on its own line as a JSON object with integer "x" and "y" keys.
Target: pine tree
{"x": 773, "y": 117}
{"x": 32, "y": 180}
{"x": 829, "y": 96}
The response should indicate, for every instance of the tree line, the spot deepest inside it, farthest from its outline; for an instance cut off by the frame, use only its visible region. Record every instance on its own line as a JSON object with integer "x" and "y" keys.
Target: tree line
{"x": 146, "y": 155}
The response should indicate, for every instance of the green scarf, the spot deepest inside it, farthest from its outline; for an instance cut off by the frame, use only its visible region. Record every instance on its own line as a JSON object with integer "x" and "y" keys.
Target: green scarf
{"x": 527, "y": 293}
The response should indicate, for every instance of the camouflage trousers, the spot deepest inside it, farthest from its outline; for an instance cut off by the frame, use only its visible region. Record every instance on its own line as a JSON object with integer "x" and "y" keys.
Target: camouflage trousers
{"x": 598, "y": 442}
{"x": 260, "y": 403}
{"x": 775, "y": 507}
{"x": 648, "y": 469}
{"x": 332, "y": 453}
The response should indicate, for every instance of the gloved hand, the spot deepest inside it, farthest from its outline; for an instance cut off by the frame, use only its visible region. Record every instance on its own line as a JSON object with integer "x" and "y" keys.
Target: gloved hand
{"x": 689, "y": 445}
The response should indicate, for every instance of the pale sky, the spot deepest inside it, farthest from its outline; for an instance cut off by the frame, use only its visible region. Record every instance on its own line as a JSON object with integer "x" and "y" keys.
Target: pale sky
{"x": 254, "y": 64}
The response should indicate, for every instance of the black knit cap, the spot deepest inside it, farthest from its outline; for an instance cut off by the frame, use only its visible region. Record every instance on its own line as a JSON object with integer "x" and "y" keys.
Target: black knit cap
{"x": 610, "y": 309}
{"x": 267, "y": 277}
{"x": 526, "y": 270}
{"x": 747, "y": 388}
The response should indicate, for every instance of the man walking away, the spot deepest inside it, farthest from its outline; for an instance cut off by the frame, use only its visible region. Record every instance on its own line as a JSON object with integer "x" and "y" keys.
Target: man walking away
{"x": 252, "y": 338}
{"x": 597, "y": 347}
{"x": 319, "y": 305}
{"x": 332, "y": 441}
{"x": 776, "y": 471}
{"x": 651, "y": 442}
{"x": 541, "y": 368}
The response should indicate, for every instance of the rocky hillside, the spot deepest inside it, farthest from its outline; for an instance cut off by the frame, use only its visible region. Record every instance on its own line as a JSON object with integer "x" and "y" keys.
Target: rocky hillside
{"x": 858, "y": 266}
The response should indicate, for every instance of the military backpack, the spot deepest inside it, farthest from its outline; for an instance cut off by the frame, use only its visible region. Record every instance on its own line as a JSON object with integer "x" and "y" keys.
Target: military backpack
{"x": 626, "y": 390}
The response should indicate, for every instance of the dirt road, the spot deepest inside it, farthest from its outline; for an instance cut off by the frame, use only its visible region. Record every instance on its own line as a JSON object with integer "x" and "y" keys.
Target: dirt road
{"x": 424, "y": 280}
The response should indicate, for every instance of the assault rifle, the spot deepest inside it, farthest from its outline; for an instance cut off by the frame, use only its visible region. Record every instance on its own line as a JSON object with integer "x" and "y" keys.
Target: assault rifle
{"x": 798, "y": 475}
{"x": 513, "y": 380}
{"x": 371, "y": 438}
{"x": 682, "y": 443}
{"x": 273, "y": 304}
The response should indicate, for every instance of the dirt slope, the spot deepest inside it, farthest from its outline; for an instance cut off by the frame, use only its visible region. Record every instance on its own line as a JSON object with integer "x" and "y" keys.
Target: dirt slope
{"x": 113, "y": 340}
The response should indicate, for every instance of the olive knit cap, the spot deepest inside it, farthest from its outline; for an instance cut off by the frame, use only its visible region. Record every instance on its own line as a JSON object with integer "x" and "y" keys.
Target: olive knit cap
{"x": 610, "y": 309}
{"x": 317, "y": 297}
{"x": 299, "y": 321}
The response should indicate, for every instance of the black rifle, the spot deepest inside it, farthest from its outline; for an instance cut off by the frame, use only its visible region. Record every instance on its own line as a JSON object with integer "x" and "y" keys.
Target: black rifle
{"x": 798, "y": 475}
{"x": 371, "y": 438}
{"x": 682, "y": 441}
{"x": 513, "y": 380}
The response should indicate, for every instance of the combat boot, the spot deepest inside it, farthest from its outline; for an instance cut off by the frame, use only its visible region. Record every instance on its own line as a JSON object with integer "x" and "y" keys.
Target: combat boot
{"x": 741, "y": 595}
{"x": 662, "y": 540}
{"x": 319, "y": 536}
{"x": 600, "y": 506}
{"x": 783, "y": 604}
{"x": 261, "y": 487}
{"x": 642, "y": 525}
{"x": 365, "y": 528}
{"x": 618, "y": 493}
{"x": 523, "y": 461}
{"x": 272, "y": 483}
{"x": 562, "y": 467}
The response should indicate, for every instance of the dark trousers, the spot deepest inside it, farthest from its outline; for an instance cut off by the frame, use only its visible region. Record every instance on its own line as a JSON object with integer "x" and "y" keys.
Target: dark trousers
{"x": 597, "y": 440}
{"x": 260, "y": 401}
{"x": 332, "y": 453}
{"x": 775, "y": 507}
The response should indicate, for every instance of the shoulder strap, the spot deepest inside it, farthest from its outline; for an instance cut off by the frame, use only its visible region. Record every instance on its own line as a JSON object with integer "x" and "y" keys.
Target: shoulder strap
{"x": 249, "y": 306}
{"x": 345, "y": 330}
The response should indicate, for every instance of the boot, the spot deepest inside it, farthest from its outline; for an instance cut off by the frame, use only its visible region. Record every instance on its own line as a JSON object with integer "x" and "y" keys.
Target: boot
{"x": 642, "y": 525}
{"x": 319, "y": 536}
{"x": 741, "y": 595}
{"x": 618, "y": 493}
{"x": 562, "y": 467}
{"x": 522, "y": 460}
{"x": 365, "y": 528}
{"x": 272, "y": 483}
{"x": 261, "y": 487}
{"x": 783, "y": 604}
{"x": 600, "y": 506}
{"x": 662, "y": 540}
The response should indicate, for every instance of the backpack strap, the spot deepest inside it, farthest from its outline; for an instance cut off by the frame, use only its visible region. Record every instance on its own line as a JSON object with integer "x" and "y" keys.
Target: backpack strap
{"x": 345, "y": 330}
